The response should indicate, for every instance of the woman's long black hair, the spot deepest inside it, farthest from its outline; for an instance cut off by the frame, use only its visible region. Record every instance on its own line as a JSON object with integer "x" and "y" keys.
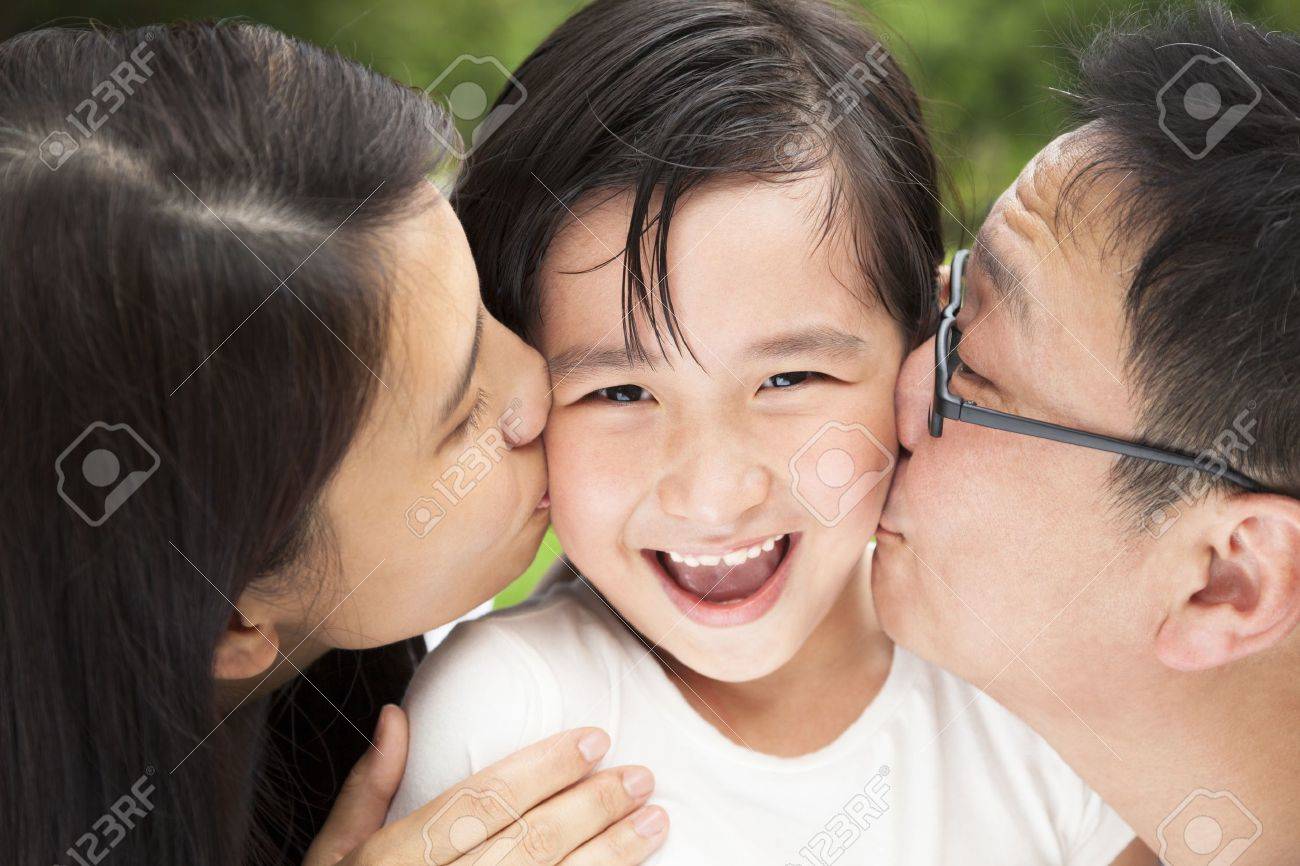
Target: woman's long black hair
{"x": 190, "y": 223}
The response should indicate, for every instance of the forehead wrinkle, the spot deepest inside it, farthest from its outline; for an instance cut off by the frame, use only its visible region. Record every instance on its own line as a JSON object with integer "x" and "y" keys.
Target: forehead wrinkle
{"x": 990, "y": 258}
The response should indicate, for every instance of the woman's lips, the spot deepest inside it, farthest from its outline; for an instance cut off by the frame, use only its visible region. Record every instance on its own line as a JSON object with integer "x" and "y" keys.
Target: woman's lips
{"x": 729, "y": 613}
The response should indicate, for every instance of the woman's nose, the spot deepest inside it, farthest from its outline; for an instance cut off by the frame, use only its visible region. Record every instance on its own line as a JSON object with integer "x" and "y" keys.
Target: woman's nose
{"x": 913, "y": 394}
{"x": 529, "y": 391}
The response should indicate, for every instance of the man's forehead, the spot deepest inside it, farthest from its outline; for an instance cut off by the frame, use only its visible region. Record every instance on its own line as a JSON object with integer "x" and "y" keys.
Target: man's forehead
{"x": 1036, "y": 196}
{"x": 1067, "y": 284}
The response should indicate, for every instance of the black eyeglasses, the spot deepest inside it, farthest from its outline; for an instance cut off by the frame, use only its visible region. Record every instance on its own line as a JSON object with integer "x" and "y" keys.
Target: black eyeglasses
{"x": 947, "y": 405}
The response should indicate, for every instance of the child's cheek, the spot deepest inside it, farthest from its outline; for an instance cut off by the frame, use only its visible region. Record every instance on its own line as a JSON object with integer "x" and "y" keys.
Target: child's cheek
{"x": 594, "y": 484}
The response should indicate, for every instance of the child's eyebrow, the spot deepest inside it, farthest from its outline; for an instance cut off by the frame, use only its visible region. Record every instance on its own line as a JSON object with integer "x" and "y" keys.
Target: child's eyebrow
{"x": 821, "y": 341}
{"x": 585, "y": 361}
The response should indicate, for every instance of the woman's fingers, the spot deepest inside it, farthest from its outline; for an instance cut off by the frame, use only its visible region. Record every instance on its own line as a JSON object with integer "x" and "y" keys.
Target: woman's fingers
{"x": 492, "y": 800}
{"x": 627, "y": 843}
{"x": 556, "y": 828}
{"x": 363, "y": 801}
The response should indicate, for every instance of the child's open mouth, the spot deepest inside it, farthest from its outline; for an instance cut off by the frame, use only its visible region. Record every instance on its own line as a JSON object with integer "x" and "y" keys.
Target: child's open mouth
{"x": 728, "y": 588}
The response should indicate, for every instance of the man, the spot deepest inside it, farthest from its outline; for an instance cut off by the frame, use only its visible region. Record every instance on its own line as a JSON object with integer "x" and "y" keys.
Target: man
{"x": 1137, "y": 281}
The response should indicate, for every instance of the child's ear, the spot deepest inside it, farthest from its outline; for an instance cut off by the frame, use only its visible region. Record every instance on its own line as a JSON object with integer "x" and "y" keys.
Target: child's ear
{"x": 943, "y": 281}
{"x": 250, "y": 644}
{"x": 1244, "y": 595}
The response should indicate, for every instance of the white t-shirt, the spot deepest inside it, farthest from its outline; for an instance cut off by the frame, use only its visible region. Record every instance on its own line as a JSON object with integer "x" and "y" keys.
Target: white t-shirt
{"x": 932, "y": 772}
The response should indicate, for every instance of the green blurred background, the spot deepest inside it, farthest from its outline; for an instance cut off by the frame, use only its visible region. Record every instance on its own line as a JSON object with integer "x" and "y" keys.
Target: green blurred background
{"x": 986, "y": 68}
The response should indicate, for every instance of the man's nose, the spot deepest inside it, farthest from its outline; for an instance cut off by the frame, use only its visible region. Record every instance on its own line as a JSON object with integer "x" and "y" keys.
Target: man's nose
{"x": 913, "y": 394}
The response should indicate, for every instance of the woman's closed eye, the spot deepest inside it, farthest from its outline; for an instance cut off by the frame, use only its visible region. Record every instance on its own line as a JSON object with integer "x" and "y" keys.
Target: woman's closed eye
{"x": 474, "y": 420}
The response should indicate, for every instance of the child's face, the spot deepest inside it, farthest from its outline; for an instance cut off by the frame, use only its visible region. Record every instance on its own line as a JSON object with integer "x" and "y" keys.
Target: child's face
{"x": 715, "y": 456}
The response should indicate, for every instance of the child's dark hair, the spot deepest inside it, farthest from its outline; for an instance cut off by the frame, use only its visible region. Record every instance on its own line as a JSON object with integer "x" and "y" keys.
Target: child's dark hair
{"x": 659, "y": 96}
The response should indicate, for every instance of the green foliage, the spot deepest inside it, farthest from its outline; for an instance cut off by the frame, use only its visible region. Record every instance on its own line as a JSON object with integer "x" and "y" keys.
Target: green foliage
{"x": 985, "y": 67}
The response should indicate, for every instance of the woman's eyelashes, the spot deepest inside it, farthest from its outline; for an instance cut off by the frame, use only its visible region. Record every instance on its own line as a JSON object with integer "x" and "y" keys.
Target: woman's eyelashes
{"x": 474, "y": 420}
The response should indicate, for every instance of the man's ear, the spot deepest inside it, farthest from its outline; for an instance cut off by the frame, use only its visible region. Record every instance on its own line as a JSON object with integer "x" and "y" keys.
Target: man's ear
{"x": 250, "y": 644}
{"x": 1245, "y": 595}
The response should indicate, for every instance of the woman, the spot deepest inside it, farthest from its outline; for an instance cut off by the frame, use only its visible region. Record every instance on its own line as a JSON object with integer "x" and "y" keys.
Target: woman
{"x": 242, "y": 342}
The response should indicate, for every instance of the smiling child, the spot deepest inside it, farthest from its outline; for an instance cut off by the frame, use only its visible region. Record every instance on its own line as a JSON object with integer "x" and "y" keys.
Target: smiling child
{"x": 719, "y": 224}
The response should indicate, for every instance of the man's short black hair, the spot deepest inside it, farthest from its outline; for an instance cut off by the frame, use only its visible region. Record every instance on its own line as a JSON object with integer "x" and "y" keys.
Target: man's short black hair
{"x": 1200, "y": 114}
{"x": 659, "y": 96}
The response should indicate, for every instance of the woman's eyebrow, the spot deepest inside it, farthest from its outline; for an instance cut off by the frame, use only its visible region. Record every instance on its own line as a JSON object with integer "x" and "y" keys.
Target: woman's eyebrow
{"x": 467, "y": 374}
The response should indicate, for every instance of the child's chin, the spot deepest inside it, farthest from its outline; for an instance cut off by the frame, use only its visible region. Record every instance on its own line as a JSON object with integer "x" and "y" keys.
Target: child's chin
{"x": 730, "y": 659}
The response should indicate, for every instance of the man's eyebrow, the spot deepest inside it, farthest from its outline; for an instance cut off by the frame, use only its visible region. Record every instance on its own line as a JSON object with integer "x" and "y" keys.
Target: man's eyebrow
{"x": 467, "y": 375}
{"x": 1005, "y": 281}
{"x": 818, "y": 340}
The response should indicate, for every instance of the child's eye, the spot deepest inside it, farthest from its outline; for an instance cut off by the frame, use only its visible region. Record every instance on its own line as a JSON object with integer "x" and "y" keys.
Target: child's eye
{"x": 789, "y": 380}
{"x": 622, "y": 394}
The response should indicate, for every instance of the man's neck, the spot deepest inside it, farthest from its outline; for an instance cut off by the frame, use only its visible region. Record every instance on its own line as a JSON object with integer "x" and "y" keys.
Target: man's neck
{"x": 1231, "y": 732}
{"x": 770, "y": 714}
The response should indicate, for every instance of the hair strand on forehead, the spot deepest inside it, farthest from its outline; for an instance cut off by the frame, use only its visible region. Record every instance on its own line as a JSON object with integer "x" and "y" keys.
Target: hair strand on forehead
{"x": 659, "y": 97}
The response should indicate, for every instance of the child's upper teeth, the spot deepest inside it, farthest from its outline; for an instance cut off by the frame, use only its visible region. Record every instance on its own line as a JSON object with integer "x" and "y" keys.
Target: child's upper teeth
{"x": 732, "y": 558}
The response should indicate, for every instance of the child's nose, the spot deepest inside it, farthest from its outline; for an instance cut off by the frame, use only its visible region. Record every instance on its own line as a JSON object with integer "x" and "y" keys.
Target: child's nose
{"x": 715, "y": 488}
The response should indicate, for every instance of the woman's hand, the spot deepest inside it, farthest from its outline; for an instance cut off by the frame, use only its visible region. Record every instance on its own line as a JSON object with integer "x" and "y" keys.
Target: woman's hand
{"x": 541, "y": 805}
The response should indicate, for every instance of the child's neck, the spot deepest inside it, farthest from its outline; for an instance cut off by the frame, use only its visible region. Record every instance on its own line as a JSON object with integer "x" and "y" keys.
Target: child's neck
{"x": 792, "y": 711}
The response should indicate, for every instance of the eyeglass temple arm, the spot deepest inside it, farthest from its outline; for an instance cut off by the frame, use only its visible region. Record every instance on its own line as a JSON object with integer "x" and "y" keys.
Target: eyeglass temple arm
{"x": 971, "y": 413}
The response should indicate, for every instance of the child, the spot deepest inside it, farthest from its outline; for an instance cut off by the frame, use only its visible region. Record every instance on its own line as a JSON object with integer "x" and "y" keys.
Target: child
{"x": 718, "y": 222}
